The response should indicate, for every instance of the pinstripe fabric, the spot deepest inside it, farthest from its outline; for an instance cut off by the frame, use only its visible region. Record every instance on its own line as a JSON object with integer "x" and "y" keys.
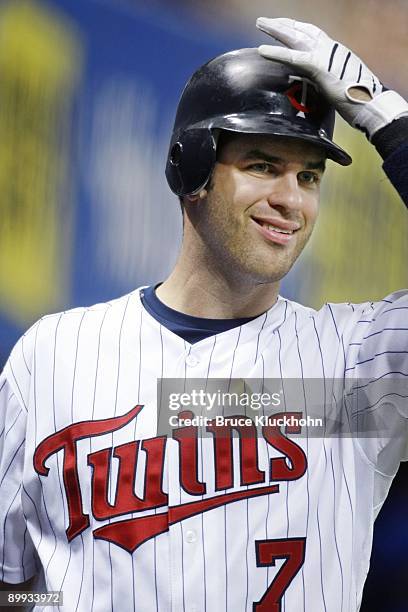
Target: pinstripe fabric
{"x": 87, "y": 365}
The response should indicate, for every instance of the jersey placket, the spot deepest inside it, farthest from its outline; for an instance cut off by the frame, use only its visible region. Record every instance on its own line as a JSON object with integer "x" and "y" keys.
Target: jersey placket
{"x": 185, "y": 534}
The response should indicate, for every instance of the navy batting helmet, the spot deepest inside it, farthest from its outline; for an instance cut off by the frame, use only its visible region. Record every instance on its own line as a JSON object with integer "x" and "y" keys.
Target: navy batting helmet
{"x": 241, "y": 91}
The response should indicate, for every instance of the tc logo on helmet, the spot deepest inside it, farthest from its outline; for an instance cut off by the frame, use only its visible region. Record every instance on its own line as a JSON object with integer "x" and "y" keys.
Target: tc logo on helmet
{"x": 302, "y": 95}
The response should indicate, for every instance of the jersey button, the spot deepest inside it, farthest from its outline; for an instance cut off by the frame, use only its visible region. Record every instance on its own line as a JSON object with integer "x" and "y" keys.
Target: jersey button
{"x": 191, "y": 361}
{"x": 191, "y": 536}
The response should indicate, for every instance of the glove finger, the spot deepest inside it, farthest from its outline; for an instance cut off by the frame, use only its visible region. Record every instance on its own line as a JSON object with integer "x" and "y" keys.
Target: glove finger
{"x": 284, "y": 55}
{"x": 308, "y": 29}
{"x": 264, "y": 23}
{"x": 283, "y": 30}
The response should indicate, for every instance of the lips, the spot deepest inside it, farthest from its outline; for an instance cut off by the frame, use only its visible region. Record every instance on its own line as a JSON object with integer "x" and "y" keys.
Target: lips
{"x": 278, "y": 231}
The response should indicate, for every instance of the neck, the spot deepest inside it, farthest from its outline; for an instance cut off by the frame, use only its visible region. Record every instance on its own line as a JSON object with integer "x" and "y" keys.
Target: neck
{"x": 203, "y": 288}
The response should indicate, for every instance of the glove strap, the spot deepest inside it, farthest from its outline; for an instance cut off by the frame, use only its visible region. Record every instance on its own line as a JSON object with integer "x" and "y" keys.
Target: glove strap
{"x": 379, "y": 112}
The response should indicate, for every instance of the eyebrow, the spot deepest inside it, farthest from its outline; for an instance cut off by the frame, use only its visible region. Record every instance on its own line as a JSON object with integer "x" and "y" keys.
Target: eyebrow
{"x": 273, "y": 159}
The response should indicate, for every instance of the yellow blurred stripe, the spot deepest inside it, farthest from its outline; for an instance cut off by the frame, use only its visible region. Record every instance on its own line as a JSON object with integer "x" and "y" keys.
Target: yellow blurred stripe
{"x": 40, "y": 64}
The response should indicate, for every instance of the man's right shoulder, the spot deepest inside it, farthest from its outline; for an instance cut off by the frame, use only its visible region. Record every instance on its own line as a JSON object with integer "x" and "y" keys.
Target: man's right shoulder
{"x": 57, "y": 333}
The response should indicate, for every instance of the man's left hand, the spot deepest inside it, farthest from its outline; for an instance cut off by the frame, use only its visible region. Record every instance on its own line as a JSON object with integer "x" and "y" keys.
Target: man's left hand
{"x": 355, "y": 92}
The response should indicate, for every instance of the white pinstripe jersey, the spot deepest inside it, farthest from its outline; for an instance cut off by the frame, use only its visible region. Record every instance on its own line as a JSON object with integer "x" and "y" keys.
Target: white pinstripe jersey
{"x": 92, "y": 499}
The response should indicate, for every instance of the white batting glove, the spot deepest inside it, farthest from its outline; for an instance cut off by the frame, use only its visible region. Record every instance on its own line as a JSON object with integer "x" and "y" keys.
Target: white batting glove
{"x": 336, "y": 70}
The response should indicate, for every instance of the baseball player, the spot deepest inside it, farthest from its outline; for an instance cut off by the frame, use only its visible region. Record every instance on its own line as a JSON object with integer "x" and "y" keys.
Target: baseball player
{"x": 95, "y": 501}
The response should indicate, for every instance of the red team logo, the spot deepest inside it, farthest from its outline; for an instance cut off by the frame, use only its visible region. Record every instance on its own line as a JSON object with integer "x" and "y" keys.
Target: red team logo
{"x": 130, "y": 533}
{"x": 302, "y": 96}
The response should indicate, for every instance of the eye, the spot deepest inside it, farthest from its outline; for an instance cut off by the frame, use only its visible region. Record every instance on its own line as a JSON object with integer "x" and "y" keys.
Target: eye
{"x": 309, "y": 178}
{"x": 260, "y": 167}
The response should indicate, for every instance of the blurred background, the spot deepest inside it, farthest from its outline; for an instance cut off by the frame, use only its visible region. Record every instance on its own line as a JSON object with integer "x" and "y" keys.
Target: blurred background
{"x": 88, "y": 90}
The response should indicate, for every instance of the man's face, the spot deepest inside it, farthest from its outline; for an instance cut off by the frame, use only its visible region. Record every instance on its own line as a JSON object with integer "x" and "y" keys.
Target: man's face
{"x": 262, "y": 205}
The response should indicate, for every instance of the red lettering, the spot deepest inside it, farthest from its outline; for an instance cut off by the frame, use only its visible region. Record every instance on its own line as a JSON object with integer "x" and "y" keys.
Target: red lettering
{"x": 131, "y": 533}
{"x": 126, "y": 500}
{"x": 188, "y": 456}
{"x": 223, "y": 454}
{"x": 267, "y": 551}
{"x": 65, "y": 440}
{"x": 279, "y": 469}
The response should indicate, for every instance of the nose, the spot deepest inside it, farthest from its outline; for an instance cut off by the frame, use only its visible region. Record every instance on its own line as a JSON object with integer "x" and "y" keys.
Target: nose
{"x": 285, "y": 192}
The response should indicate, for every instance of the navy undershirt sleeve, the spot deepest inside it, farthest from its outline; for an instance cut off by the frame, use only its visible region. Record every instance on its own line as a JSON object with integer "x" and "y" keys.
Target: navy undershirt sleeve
{"x": 191, "y": 329}
{"x": 391, "y": 143}
{"x": 396, "y": 168}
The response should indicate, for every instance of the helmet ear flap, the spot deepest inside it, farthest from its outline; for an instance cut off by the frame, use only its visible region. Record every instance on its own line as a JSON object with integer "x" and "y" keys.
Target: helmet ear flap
{"x": 191, "y": 160}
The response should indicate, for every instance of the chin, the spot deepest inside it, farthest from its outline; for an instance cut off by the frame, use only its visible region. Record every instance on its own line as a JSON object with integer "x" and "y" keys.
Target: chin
{"x": 272, "y": 273}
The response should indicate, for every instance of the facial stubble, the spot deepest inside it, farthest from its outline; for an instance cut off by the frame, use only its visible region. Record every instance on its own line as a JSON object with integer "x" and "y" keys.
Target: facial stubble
{"x": 233, "y": 247}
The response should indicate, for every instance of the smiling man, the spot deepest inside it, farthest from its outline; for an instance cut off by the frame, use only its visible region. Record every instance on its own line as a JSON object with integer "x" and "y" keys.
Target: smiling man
{"x": 96, "y": 500}
{"x": 258, "y": 214}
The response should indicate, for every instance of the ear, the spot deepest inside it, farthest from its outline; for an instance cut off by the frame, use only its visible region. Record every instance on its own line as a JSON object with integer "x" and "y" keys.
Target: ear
{"x": 197, "y": 196}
